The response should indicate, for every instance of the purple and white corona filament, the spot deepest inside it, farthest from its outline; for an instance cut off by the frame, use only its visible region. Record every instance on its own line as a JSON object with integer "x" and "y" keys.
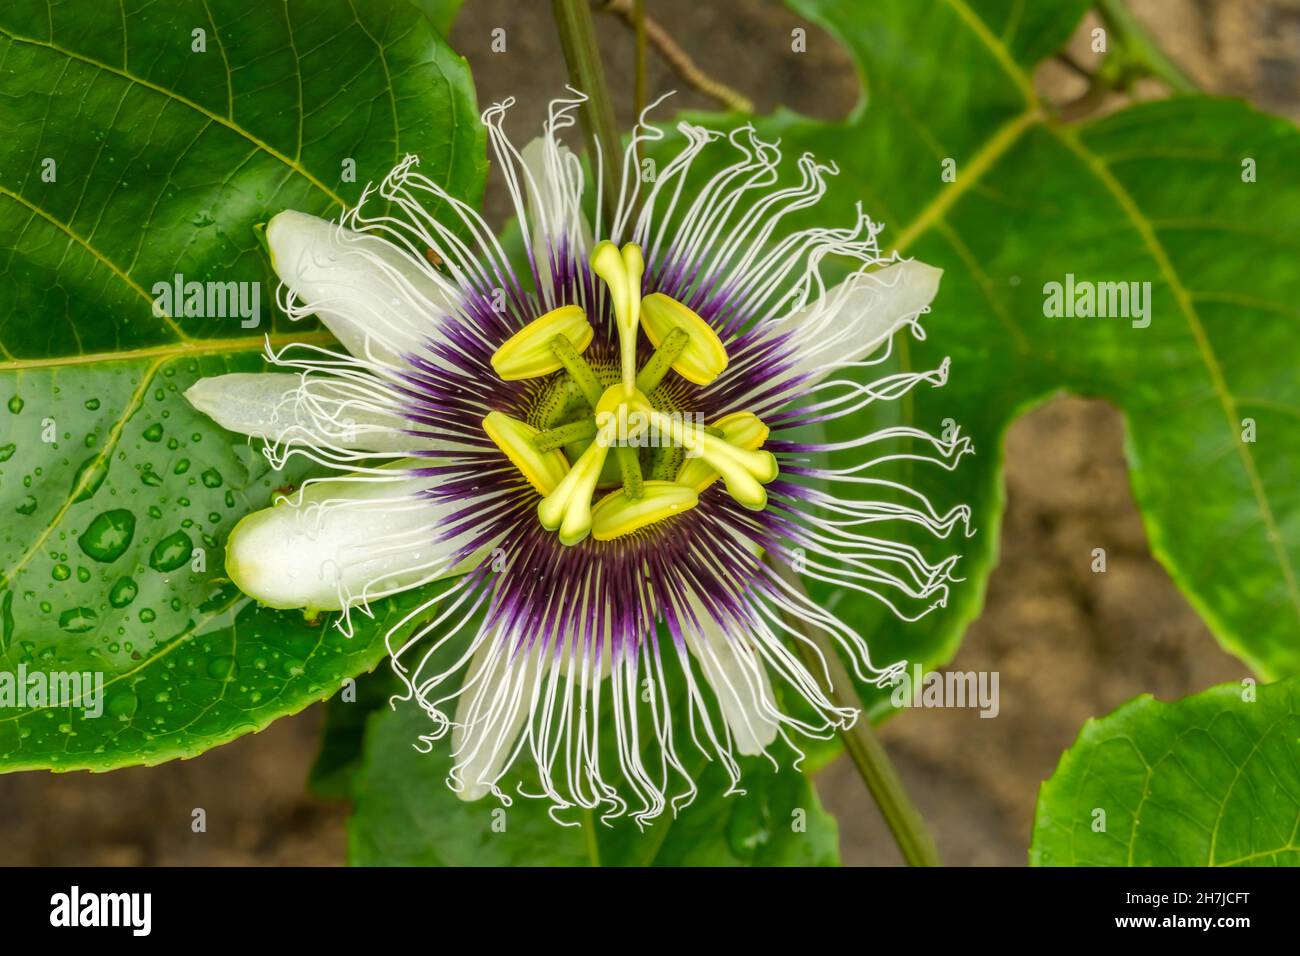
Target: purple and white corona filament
{"x": 595, "y": 452}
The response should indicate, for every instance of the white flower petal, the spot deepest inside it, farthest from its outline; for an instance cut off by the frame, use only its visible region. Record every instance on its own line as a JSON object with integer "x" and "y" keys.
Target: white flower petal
{"x": 490, "y": 713}
{"x": 275, "y": 407}
{"x": 378, "y": 301}
{"x": 340, "y": 542}
{"x": 739, "y": 681}
{"x": 859, "y": 315}
{"x": 496, "y": 700}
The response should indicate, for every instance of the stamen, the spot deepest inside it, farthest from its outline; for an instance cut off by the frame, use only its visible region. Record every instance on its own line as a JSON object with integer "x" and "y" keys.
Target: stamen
{"x": 742, "y": 429}
{"x": 582, "y": 430}
{"x": 558, "y": 406}
{"x": 529, "y": 352}
{"x": 616, "y": 515}
{"x": 704, "y": 357}
{"x": 684, "y": 342}
{"x": 665, "y": 462}
{"x": 622, "y": 412}
{"x": 578, "y": 368}
{"x": 743, "y": 471}
{"x": 544, "y": 468}
{"x": 654, "y": 370}
{"x": 568, "y": 508}
{"x": 629, "y": 467}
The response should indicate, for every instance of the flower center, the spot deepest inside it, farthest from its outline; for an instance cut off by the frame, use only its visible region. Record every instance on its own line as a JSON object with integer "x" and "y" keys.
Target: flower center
{"x": 661, "y": 459}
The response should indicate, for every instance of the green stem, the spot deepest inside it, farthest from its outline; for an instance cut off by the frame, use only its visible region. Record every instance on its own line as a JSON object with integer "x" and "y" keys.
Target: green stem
{"x": 657, "y": 366}
{"x": 1139, "y": 47}
{"x": 665, "y": 462}
{"x": 582, "y": 430}
{"x": 861, "y": 742}
{"x": 587, "y": 74}
{"x": 639, "y": 84}
{"x": 629, "y": 466}
{"x": 578, "y": 369}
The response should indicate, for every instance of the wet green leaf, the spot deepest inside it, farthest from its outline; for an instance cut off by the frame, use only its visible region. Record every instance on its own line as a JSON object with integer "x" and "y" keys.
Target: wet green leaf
{"x": 142, "y": 142}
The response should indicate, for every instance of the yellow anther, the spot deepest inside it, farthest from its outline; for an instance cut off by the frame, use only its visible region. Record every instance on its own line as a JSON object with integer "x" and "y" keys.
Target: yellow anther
{"x": 543, "y": 469}
{"x": 622, "y": 272}
{"x": 742, "y": 429}
{"x": 568, "y": 508}
{"x": 528, "y": 353}
{"x": 616, "y": 515}
{"x": 743, "y": 471}
{"x": 704, "y": 358}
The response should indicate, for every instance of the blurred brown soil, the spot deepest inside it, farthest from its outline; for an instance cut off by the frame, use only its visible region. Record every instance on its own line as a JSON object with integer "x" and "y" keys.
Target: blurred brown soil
{"x": 1069, "y": 644}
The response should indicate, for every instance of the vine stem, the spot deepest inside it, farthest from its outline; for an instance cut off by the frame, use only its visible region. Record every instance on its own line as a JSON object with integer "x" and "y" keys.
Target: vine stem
{"x": 633, "y": 14}
{"x": 587, "y": 76}
{"x": 638, "y": 28}
{"x": 1141, "y": 47}
{"x": 861, "y": 742}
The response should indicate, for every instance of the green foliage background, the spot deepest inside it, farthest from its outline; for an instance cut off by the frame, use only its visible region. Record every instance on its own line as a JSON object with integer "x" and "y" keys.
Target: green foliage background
{"x": 164, "y": 168}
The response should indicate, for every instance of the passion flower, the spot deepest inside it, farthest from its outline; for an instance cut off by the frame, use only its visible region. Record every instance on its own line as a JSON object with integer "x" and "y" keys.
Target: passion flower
{"x": 607, "y": 443}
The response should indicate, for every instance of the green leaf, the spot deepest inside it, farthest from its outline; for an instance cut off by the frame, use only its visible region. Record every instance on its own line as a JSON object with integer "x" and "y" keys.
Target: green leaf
{"x": 116, "y": 496}
{"x": 343, "y": 736}
{"x": 441, "y": 13}
{"x": 1150, "y": 194}
{"x": 407, "y": 816}
{"x": 1211, "y": 780}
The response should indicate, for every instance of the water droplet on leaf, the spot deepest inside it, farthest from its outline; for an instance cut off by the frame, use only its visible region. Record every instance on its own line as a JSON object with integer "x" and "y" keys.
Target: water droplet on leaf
{"x": 122, "y": 705}
{"x": 123, "y": 592}
{"x": 90, "y": 475}
{"x": 77, "y": 620}
{"x": 222, "y": 668}
{"x": 108, "y": 535}
{"x": 171, "y": 552}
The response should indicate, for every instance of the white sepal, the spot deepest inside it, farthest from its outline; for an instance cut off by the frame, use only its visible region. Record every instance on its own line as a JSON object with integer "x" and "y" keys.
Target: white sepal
{"x": 379, "y": 302}
{"x": 495, "y": 703}
{"x": 342, "y": 542}
{"x": 856, "y": 317}
{"x": 739, "y": 681}
{"x": 280, "y": 408}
